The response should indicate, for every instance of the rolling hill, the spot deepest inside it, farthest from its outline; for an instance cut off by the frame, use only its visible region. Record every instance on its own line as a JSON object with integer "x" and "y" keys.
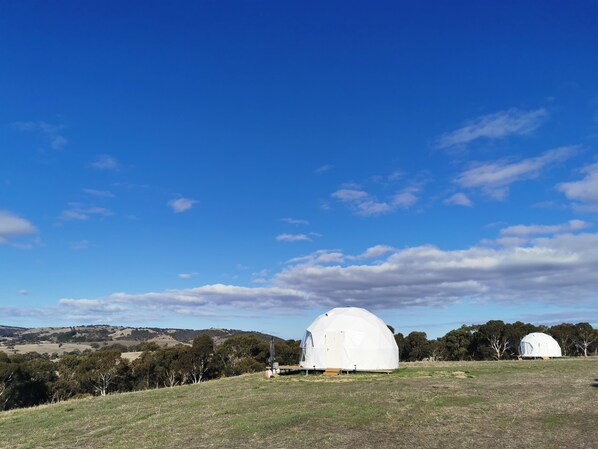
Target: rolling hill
{"x": 515, "y": 404}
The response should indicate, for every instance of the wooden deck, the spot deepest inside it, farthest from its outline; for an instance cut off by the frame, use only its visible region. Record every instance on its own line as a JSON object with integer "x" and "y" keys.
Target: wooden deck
{"x": 328, "y": 371}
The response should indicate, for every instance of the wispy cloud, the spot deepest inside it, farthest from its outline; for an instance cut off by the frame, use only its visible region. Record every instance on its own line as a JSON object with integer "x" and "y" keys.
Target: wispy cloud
{"x": 528, "y": 230}
{"x": 458, "y": 199}
{"x": 494, "y": 126}
{"x": 181, "y": 204}
{"x": 99, "y": 193}
{"x": 585, "y": 191}
{"x": 51, "y": 133}
{"x": 365, "y": 204}
{"x": 494, "y": 178}
{"x": 79, "y": 211}
{"x": 187, "y": 275}
{"x": 23, "y": 292}
{"x": 106, "y": 162}
{"x": 292, "y": 238}
{"x": 295, "y": 221}
{"x": 323, "y": 169}
{"x": 12, "y": 225}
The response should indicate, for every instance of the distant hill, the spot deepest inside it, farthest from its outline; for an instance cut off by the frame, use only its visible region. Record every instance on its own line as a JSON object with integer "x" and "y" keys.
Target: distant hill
{"x": 114, "y": 334}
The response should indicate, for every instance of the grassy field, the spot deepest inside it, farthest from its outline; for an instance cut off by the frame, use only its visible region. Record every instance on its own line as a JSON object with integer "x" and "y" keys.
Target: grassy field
{"x": 521, "y": 404}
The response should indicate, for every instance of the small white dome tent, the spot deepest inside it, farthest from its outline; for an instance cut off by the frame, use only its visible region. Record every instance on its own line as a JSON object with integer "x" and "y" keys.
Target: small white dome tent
{"x": 538, "y": 344}
{"x": 349, "y": 338}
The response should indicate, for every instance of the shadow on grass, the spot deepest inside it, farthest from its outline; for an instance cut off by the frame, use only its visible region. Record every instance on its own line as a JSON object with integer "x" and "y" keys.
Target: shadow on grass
{"x": 595, "y": 384}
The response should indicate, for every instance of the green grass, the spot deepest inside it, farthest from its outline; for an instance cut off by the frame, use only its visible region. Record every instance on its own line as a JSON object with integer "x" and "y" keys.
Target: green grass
{"x": 527, "y": 404}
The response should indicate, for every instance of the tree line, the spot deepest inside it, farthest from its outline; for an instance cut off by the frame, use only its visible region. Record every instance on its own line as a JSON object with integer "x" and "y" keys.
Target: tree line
{"x": 494, "y": 340}
{"x": 32, "y": 379}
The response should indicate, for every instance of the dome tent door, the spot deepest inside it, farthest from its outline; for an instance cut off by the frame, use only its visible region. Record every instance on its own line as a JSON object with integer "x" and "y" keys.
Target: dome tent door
{"x": 335, "y": 341}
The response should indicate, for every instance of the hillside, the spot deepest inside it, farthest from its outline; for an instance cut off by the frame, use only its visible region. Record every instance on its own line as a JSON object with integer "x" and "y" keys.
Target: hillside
{"x": 60, "y": 339}
{"x": 520, "y": 404}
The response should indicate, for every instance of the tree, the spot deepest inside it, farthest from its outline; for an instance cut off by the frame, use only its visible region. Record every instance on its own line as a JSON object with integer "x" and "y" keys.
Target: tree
{"x": 495, "y": 334}
{"x": 584, "y": 336}
{"x": 400, "y": 339}
{"x": 200, "y": 356}
{"x": 99, "y": 369}
{"x": 565, "y": 334}
{"x": 417, "y": 346}
{"x": 457, "y": 343}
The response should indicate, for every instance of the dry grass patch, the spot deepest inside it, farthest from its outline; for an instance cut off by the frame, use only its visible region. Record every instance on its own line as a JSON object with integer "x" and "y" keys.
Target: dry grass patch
{"x": 433, "y": 405}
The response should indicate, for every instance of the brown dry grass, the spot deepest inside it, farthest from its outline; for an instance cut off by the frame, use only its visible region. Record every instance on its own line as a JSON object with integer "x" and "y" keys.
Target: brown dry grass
{"x": 531, "y": 404}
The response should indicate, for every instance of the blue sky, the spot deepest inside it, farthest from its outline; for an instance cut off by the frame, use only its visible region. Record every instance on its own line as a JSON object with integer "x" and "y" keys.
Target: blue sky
{"x": 252, "y": 164}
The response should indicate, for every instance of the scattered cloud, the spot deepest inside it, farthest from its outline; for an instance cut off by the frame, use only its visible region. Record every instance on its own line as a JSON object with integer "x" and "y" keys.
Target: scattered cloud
{"x": 323, "y": 169}
{"x": 295, "y": 221}
{"x": 79, "y": 211}
{"x": 99, "y": 193}
{"x": 181, "y": 204}
{"x": 494, "y": 178}
{"x": 23, "y": 292}
{"x": 11, "y": 225}
{"x": 458, "y": 199}
{"x": 105, "y": 162}
{"x": 365, "y": 204}
{"x": 528, "y": 230}
{"x": 373, "y": 252}
{"x": 494, "y": 126}
{"x": 395, "y": 176}
{"x": 405, "y": 199}
{"x": 187, "y": 275}
{"x": 292, "y": 238}
{"x": 585, "y": 191}
{"x": 556, "y": 270}
{"x": 51, "y": 133}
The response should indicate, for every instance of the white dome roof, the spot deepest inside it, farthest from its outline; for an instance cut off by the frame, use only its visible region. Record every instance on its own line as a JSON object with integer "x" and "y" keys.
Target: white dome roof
{"x": 349, "y": 338}
{"x": 538, "y": 344}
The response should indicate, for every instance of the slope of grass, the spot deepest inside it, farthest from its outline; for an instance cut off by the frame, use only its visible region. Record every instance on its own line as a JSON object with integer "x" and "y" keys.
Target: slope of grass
{"x": 531, "y": 404}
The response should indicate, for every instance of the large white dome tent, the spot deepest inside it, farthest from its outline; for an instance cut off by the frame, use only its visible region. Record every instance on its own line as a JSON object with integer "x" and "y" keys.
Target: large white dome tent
{"x": 538, "y": 344}
{"x": 349, "y": 338}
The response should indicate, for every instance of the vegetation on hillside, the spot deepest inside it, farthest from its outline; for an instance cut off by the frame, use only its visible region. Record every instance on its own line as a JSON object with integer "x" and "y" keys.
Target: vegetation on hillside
{"x": 32, "y": 379}
{"x": 507, "y": 404}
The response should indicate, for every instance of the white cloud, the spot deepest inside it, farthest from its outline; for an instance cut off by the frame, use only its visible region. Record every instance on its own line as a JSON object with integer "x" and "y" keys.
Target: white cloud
{"x": 373, "y": 252}
{"x": 527, "y": 230}
{"x": 292, "y": 238}
{"x": 323, "y": 169}
{"x": 494, "y": 178}
{"x": 11, "y": 225}
{"x": 51, "y": 133}
{"x": 494, "y": 126}
{"x": 585, "y": 191}
{"x": 105, "y": 162}
{"x": 79, "y": 211}
{"x": 23, "y": 292}
{"x": 187, "y": 275}
{"x": 365, "y": 204}
{"x": 321, "y": 256}
{"x": 558, "y": 270}
{"x": 404, "y": 199}
{"x": 458, "y": 199}
{"x": 181, "y": 204}
{"x": 99, "y": 193}
{"x": 295, "y": 221}
{"x": 395, "y": 176}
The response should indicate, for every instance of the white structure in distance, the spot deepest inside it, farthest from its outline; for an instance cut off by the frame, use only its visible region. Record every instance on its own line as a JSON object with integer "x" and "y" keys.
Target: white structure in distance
{"x": 351, "y": 339}
{"x": 538, "y": 344}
